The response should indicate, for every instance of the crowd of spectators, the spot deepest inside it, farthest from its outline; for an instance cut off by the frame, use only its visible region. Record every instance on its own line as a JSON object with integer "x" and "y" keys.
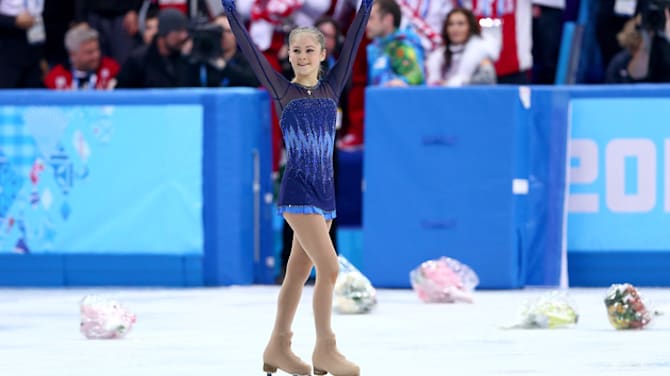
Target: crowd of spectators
{"x": 115, "y": 44}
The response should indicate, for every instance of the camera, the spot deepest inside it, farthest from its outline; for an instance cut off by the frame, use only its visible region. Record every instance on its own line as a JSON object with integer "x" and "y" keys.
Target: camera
{"x": 653, "y": 15}
{"x": 206, "y": 43}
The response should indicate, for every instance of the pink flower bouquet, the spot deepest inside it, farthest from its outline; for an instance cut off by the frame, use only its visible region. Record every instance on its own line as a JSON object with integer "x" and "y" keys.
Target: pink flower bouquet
{"x": 444, "y": 280}
{"x": 104, "y": 319}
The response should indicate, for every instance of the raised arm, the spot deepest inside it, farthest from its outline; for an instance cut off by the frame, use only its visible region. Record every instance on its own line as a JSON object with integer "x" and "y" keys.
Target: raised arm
{"x": 268, "y": 77}
{"x": 339, "y": 74}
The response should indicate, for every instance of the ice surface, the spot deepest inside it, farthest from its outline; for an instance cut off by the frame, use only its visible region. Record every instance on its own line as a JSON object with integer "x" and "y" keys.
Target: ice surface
{"x": 222, "y": 331}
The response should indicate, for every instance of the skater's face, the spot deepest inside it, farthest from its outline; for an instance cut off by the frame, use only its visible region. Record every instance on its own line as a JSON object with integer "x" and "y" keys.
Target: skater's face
{"x": 306, "y": 54}
{"x": 458, "y": 28}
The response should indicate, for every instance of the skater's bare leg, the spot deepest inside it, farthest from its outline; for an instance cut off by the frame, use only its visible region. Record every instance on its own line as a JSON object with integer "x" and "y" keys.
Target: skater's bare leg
{"x": 312, "y": 233}
{"x": 297, "y": 271}
{"x": 278, "y": 352}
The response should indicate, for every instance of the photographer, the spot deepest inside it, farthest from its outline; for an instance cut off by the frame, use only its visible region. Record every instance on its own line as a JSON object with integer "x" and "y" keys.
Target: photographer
{"x": 215, "y": 59}
{"x": 651, "y": 61}
{"x": 163, "y": 63}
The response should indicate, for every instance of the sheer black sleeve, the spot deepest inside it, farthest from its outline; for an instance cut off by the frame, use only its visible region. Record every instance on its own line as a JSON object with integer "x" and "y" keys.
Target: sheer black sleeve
{"x": 274, "y": 82}
{"x": 339, "y": 74}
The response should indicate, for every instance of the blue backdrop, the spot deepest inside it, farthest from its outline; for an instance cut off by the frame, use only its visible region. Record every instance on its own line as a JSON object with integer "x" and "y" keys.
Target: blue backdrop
{"x": 620, "y": 169}
{"x": 151, "y": 187}
{"x": 425, "y": 179}
{"x": 478, "y": 174}
{"x": 93, "y": 179}
{"x": 620, "y": 192}
{"x": 447, "y": 173}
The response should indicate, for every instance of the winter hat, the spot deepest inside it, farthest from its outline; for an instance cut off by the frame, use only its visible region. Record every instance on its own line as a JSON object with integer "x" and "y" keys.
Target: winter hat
{"x": 170, "y": 20}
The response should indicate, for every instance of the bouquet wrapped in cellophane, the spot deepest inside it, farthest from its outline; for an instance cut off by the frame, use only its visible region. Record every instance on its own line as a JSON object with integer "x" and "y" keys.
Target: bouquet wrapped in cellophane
{"x": 626, "y": 308}
{"x": 444, "y": 280}
{"x": 104, "y": 319}
{"x": 549, "y": 311}
{"x": 353, "y": 291}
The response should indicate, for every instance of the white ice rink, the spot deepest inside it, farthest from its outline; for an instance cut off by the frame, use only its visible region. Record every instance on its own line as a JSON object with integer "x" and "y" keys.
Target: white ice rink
{"x": 222, "y": 331}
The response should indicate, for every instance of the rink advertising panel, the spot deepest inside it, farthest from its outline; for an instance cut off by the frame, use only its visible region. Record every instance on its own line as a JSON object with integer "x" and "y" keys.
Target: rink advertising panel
{"x": 116, "y": 179}
{"x": 619, "y": 195}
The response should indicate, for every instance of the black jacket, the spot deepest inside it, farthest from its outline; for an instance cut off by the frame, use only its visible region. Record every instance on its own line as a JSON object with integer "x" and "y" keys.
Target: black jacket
{"x": 237, "y": 72}
{"x": 146, "y": 68}
{"x": 105, "y": 8}
{"x": 14, "y": 47}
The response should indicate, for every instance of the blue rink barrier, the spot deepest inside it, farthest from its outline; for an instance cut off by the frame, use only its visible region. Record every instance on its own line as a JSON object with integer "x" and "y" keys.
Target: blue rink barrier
{"x": 140, "y": 188}
{"x": 447, "y": 174}
{"x": 619, "y": 197}
{"x": 439, "y": 167}
{"x": 173, "y": 187}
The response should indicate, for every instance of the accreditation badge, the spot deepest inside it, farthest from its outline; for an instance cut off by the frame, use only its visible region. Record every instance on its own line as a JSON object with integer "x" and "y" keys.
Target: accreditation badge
{"x": 37, "y": 34}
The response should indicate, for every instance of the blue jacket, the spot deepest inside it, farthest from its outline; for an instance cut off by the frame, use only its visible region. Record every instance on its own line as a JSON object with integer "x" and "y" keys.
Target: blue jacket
{"x": 396, "y": 56}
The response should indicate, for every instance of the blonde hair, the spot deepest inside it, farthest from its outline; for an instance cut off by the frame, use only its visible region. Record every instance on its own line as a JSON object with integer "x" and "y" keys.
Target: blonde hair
{"x": 316, "y": 33}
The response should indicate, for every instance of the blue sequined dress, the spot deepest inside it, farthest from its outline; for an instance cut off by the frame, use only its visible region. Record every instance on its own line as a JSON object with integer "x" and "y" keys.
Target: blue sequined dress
{"x": 307, "y": 120}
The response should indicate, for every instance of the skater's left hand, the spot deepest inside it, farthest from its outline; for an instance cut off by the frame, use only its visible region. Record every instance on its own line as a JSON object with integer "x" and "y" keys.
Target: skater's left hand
{"x": 229, "y": 5}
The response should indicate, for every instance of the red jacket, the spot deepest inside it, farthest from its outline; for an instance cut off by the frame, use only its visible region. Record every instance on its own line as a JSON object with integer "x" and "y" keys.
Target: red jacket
{"x": 60, "y": 78}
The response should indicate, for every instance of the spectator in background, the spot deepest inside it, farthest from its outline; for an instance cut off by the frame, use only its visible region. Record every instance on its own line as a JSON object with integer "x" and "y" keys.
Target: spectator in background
{"x": 651, "y": 62}
{"x": 58, "y": 18}
{"x": 193, "y": 9}
{"x": 516, "y": 59}
{"x": 426, "y": 18}
{"x": 547, "y": 30}
{"x": 609, "y": 21}
{"x": 351, "y": 136}
{"x": 87, "y": 69}
{"x": 267, "y": 17}
{"x": 334, "y": 39}
{"x": 466, "y": 58}
{"x": 115, "y": 20}
{"x": 395, "y": 56}
{"x": 22, "y": 39}
{"x": 150, "y": 26}
{"x": 630, "y": 39}
{"x": 161, "y": 64}
{"x": 229, "y": 69}
{"x": 181, "y": 5}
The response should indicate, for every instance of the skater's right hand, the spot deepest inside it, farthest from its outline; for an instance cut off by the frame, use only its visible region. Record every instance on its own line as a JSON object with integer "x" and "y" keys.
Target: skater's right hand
{"x": 228, "y": 5}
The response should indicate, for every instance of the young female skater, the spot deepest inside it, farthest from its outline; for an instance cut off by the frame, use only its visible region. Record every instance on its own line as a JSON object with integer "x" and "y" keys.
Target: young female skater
{"x": 307, "y": 108}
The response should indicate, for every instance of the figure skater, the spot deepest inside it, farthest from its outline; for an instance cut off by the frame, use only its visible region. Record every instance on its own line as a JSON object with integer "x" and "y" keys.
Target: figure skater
{"x": 307, "y": 109}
